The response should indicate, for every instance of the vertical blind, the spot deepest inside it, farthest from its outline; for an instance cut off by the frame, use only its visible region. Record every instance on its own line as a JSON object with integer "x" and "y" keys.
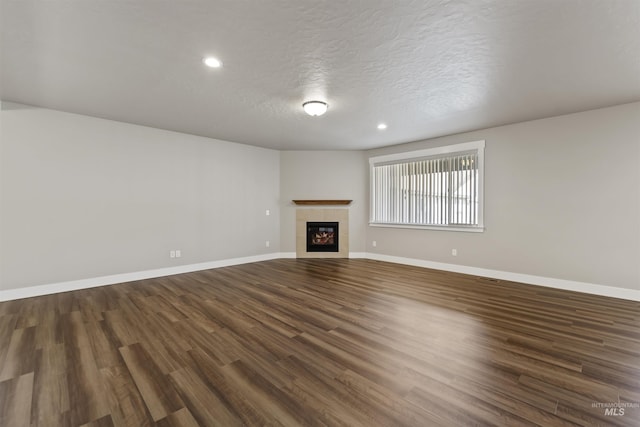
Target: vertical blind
{"x": 432, "y": 191}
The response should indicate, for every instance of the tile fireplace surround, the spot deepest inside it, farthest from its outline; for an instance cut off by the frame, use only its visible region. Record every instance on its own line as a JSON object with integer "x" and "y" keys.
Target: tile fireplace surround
{"x": 304, "y": 215}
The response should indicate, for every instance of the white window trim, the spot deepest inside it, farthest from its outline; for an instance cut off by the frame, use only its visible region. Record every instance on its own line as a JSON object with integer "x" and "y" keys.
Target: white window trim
{"x": 431, "y": 152}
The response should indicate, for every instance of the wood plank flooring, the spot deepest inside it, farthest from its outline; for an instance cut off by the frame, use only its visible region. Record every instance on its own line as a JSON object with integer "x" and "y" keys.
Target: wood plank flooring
{"x": 319, "y": 343}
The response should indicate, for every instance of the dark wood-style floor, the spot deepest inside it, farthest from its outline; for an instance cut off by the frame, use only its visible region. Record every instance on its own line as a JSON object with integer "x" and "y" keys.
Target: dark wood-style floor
{"x": 319, "y": 342}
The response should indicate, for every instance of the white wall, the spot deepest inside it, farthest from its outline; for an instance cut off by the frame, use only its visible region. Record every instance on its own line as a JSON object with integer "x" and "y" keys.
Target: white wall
{"x": 562, "y": 201}
{"x": 84, "y": 197}
{"x": 323, "y": 175}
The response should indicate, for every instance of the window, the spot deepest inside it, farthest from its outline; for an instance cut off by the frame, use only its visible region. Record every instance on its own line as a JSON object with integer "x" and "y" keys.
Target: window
{"x": 438, "y": 188}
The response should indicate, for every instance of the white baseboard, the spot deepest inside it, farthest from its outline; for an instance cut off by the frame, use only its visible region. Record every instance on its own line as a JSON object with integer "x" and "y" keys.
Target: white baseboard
{"x": 357, "y": 255}
{"x": 34, "y": 291}
{"x": 351, "y": 255}
{"x": 569, "y": 285}
{"x": 589, "y": 288}
{"x": 288, "y": 255}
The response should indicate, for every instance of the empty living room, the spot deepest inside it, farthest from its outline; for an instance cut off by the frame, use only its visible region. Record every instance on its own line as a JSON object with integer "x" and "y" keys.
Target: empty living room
{"x": 319, "y": 213}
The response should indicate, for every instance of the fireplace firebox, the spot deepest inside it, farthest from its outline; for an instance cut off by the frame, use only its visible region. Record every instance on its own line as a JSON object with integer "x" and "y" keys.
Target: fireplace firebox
{"x": 322, "y": 237}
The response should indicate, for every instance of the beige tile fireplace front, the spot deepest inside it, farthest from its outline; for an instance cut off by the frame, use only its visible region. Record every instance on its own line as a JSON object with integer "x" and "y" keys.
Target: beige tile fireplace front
{"x": 322, "y": 215}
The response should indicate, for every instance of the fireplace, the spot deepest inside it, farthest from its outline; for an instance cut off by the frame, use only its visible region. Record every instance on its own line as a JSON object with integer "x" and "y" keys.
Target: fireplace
{"x": 322, "y": 237}
{"x": 337, "y": 219}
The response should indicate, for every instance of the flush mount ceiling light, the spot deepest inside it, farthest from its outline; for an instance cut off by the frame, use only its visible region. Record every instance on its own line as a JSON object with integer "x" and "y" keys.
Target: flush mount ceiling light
{"x": 212, "y": 62}
{"x": 315, "y": 108}
{"x": 382, "y": 126}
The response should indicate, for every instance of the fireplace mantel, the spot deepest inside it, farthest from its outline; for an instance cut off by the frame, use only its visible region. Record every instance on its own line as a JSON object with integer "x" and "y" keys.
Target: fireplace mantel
{"x": 322, "y": 202}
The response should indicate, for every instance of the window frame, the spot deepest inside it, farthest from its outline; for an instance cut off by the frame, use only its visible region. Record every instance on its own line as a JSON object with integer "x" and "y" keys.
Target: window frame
{"x": 408, "y": 156}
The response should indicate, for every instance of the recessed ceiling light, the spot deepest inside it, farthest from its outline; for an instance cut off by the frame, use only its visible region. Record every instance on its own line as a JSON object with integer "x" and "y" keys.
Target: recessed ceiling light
{"x": 212, "y": 62}
{"x": 315, "y": 108}
{"x": 382, "y": 126}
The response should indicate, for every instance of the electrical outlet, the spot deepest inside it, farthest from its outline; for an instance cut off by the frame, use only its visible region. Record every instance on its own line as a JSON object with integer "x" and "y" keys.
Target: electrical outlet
{"x": 267, "y": 212}
{"x": 267, "y": 243}
{"x": 374, "y": 243}
{"x": 178, "y": 253}
{"x": 454, "y": 252}
{"x": 172, "y": 254}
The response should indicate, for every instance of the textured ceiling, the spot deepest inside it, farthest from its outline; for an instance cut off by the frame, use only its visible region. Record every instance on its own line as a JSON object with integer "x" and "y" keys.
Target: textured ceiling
{"x": 426, "y": 68}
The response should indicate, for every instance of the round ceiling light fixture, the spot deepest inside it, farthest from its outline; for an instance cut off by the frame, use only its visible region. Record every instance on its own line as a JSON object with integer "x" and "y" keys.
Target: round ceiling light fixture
{"x": 382, "y": 126}
{"x": 212, "y": 62}
{"x": 315, "y": 108}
